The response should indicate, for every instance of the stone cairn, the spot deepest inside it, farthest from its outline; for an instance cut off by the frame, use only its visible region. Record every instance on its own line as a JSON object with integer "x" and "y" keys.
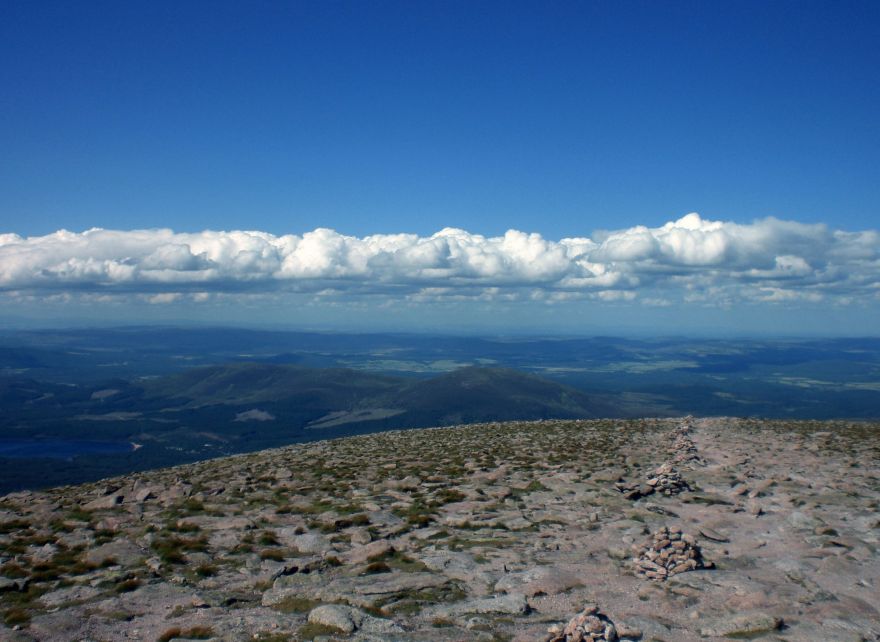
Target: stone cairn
{"x": 666, "y": 480}
{"x": 683, "y": 449}
{"x": 589, "y": 624}
{"x": 666, "y": 553}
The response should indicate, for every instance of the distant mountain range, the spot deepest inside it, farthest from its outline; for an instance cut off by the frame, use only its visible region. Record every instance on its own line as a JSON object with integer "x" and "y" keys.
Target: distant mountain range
{"x": 215, "y": 410}
{"x": 192, "y": 393}
{"x": 292, "y": 398}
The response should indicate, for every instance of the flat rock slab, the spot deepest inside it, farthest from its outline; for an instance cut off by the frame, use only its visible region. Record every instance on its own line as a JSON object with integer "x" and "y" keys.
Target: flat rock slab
{"x": 510, "y": 604}
{"x": 348, "y": 620}
{"x": 540, "y": 581}
{"x": 69, "y": 595}
{"x": 121, "y": 551}
{"x": 741, "y": 625}
{"x": 370, "y": 590}
{"x": 311, "y": 543}
{"x": 370, "y": 552}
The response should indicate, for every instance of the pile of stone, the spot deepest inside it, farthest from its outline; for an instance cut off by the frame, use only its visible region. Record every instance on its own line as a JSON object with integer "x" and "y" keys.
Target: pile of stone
{"x": 683, "y": 448}
{"x": 666, "y": 480}
{"x": 666, "y": 553}
{"x": 589, "y": 624}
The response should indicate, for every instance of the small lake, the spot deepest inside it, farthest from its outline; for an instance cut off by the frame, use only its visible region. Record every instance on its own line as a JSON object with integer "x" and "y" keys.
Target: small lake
{"x": 60, "y": 448}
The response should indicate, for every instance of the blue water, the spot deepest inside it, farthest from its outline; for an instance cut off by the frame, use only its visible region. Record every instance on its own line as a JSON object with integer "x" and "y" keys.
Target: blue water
{"x": 60, "y": 448}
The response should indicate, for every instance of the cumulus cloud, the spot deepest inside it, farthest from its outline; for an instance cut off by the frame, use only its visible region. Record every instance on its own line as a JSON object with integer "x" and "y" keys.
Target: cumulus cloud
{"x": 690, "y": 259}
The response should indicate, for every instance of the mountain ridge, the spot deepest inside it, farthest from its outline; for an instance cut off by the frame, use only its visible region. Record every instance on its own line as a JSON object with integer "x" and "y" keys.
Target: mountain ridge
{"x": 210, "y": 411}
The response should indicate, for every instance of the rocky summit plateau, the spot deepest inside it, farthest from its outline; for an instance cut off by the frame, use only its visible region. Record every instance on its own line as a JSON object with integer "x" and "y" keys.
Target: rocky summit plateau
{"x": 654, "y": 529}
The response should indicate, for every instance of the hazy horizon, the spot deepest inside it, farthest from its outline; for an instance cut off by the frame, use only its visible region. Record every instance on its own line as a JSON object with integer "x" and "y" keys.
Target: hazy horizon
{"x": 23, "y": 323}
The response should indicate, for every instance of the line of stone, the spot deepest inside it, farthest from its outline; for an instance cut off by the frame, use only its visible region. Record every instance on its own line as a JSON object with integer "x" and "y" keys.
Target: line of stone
{"x": 665, "y": 553}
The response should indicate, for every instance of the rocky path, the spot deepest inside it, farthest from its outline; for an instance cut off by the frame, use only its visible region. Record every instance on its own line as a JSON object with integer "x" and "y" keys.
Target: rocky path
{"x": 651, "y": 529}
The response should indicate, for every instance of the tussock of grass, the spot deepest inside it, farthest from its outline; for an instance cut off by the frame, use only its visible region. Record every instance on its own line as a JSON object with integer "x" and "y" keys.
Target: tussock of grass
{"x": 171, "y": 549}
{"x": 14, "y": 525}
{"x": 127, "y": 586}
{"x": 311, "y": 631}
{"x": 268, "y": 539}
{"x": 193, "y": 633}
{"x": 16, "y": 616}
{"x": 295, "y": 605}
{"x": 272, "y": 554}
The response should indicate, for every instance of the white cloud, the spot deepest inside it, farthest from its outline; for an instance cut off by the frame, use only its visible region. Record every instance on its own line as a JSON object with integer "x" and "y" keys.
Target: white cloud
{"x": 691, "y": 259}
{"x": 616, "y": 295}
{"x": 163, "y": 298}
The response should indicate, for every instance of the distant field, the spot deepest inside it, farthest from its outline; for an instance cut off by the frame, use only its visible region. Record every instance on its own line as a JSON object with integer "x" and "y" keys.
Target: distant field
{"x": 189, "y": 394}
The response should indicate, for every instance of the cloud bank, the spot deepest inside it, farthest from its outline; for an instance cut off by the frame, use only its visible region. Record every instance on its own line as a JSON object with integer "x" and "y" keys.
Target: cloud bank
{"x": 691, "y": 260}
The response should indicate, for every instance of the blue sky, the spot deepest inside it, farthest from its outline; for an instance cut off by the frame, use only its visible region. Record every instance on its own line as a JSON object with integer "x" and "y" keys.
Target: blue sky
{"x": 558, "y": 118}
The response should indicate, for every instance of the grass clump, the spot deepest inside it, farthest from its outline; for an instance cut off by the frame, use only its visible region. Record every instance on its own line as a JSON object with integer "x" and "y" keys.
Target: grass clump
{"x": 374, "y": 568}
{"x": 342, "y": 523}
{"x": 401, "y": 562}
{"x": 268, "y": 538}
{"x": 193, "y": 633}
{"x": 193, "y": 506}
{"x": 13, "y": 571}
{"x": 315, "y": 508}
{"x": 272, "y": 554}
{"x": 45, "y": 572}
{"x": 171, "y": 549}
{"x": 295, "y": 605}
{"x": 206, "y": 570}
{"x": 416, "y": 514}
{"x": 184, "y": 527}
{"x": 311, "y": 631}
{"x": 78, "y": 514}
{"x": 16, "y": 616}
{"x": 449, "y": 496}
{"x": 359, "y": 520}
{"x": 14, "y": 525}
{"x": 127, "y": 586}
{"x": 60, "y": 526}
